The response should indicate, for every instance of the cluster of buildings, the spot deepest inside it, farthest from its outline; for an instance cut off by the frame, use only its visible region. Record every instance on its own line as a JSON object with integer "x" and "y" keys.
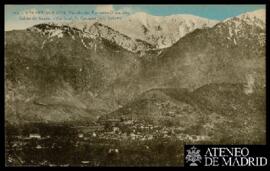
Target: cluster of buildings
{"x": 116, "y": 129}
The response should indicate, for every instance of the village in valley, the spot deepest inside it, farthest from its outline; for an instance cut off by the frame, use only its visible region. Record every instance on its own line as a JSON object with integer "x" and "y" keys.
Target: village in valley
{"x": 110, "y": 135}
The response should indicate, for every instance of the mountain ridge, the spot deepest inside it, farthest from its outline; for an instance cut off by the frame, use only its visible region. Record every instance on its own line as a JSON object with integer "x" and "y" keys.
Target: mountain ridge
{"x": 64, "y": 65}
{"x": 149, "y": 28}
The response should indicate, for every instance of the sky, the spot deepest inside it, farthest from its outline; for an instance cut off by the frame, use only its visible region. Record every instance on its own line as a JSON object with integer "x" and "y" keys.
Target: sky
{"x": 23, "y": 16}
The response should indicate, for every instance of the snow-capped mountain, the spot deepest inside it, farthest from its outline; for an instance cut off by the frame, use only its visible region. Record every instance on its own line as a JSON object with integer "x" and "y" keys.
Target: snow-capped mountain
{"x": 95, "y": 31}
{"x": 246, "y": 26}
{"x": 257, "y": 18}
{"x": 52, "y": 32}
{"x": 138, "y": 32}
{"x": 134, "y": 45}
{"x": 160, "y": 31}
{"x": 66, "y": 68}
{"x": 231, "y": 51}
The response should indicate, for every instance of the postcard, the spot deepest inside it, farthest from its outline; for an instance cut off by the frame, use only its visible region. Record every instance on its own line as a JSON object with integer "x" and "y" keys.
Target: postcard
{"x": 131, "y": 85}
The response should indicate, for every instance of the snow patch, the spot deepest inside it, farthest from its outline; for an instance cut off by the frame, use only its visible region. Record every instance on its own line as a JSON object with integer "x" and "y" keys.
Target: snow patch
{"x": 57, "y": 33}
{"x": 249, "y": 84}
{"x": 234, "y": 41}
{"x": 84, "y": 44}
{"x": 230, "y": 32}
{"x": 43, "y": 43}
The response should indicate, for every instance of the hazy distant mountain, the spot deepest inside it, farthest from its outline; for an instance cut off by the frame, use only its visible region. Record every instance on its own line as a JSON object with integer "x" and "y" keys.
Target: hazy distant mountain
{"x": 232, "y": 51}
{"x": 160, "y": 31}
{"x": 134, "y": 45}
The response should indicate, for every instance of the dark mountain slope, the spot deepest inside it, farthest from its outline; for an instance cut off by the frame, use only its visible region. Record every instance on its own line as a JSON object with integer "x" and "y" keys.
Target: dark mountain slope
{"x": 212, "y": 111}
{"x": 58, "y": 65}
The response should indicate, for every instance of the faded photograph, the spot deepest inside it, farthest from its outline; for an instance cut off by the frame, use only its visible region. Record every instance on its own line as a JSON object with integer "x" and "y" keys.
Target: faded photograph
{"x": 129, "y": 85}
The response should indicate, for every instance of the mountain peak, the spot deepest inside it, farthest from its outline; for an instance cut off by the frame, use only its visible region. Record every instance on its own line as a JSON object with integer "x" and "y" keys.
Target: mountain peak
{"x": 97, "y": 24}
{"x": 253, "y": 15}
{"x": 141, "y": 14}
{"x": 253, "y": 19}
{"x": 259, "y": 14}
